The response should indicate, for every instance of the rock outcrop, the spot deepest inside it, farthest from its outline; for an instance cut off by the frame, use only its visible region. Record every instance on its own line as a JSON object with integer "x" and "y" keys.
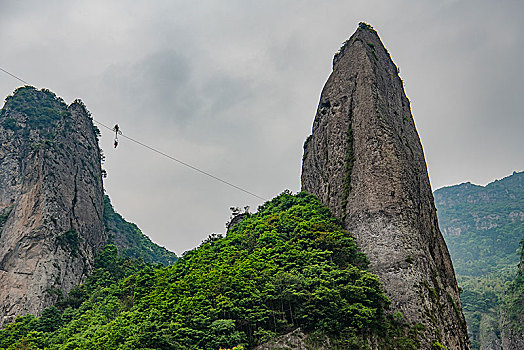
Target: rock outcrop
{"x": 51, "y": 200}
{"x": 364, "y": 160}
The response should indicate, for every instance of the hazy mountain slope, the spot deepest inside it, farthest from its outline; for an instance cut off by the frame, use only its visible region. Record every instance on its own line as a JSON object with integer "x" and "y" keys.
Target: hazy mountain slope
{"x": 131, "y": 242}
{"x": 483, "y": 226}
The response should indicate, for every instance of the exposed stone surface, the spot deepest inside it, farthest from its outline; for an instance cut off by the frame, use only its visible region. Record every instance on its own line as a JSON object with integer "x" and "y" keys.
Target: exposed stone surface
{"x": 51, "y": 198}
{"x": 364, "y": 160}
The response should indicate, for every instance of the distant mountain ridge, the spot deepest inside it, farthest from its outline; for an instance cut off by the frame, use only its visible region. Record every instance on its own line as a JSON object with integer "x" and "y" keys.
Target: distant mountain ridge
{"x": 482, "y": 225}
{"x": 510, "y": 187}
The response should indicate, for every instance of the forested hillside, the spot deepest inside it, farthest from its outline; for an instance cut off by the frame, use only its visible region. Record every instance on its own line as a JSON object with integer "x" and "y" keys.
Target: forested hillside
{"x": 512, "y": 310}
{"x": 483, "y": 226}
{"x": 289, "y": 265}
{"x": 131, "y": 241}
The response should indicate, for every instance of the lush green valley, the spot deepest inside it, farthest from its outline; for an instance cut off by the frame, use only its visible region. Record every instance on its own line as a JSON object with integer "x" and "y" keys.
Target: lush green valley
{"x": 483, "y": 227}
{"x": 289, "y": 265}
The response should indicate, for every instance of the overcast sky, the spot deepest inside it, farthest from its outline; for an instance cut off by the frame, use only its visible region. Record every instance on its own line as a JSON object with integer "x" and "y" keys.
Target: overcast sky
{"x": 232, "y": 87}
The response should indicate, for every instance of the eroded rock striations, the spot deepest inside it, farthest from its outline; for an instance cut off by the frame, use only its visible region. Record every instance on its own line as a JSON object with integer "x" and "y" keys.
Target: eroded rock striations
{"x": 364, "y": 160}
{"x": 51, "y": 200}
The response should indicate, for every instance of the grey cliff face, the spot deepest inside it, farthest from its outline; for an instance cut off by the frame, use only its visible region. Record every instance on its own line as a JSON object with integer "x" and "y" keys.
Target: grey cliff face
{"x": 51, "y": 200}
{"x": 364, "y": 160}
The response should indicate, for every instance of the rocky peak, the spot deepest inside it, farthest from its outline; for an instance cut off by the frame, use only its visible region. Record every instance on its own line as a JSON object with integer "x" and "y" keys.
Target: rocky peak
{"x": 51, "y": 200}
{"x": 364, "y": 160}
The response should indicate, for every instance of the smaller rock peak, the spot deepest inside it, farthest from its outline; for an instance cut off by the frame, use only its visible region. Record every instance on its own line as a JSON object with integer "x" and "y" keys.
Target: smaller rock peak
{"x": 51, "y": 180}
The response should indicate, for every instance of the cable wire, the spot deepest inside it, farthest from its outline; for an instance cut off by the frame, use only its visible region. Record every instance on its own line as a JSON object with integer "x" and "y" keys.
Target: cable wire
{"x": 14, "y": 76}
{"x": 160, "y": 152}
{"x": 180, "y": 162}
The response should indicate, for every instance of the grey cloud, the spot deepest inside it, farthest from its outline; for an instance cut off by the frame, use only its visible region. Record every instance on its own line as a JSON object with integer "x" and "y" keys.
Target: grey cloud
{"x": 232, "y": 87}
{"x": 158, "y": 85}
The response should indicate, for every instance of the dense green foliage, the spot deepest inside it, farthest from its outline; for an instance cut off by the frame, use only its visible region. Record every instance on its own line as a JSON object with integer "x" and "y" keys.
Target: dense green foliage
{"x": 513, "y": 302}
{"x": 132, "y": 242}
{"x": 482, "y": 226}
{"x": 481, "y": 299}
{"x": 42, "y": 108}
{"x": 363, "y": 25}
{"x": 29, "y": 332}
{"x": 289, "y": 265}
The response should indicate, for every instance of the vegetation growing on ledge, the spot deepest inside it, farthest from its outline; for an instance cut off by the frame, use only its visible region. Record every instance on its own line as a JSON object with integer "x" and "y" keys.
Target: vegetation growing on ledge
{"x": 70, "y": 241}
{"x": 4, "y": 215}
{"x": 41, "y": 107}
{"x": 290, "y": 265}
{"x": 363, "y": 25}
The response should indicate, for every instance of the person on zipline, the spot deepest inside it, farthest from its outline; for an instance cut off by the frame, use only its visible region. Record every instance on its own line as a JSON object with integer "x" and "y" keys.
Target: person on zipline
{"x": 117, "y": 131}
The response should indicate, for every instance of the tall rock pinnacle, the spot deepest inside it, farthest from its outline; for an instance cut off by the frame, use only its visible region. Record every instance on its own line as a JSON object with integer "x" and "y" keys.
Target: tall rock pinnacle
{"x": 51, "y": 200}
{"x": 364, "y": 160}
